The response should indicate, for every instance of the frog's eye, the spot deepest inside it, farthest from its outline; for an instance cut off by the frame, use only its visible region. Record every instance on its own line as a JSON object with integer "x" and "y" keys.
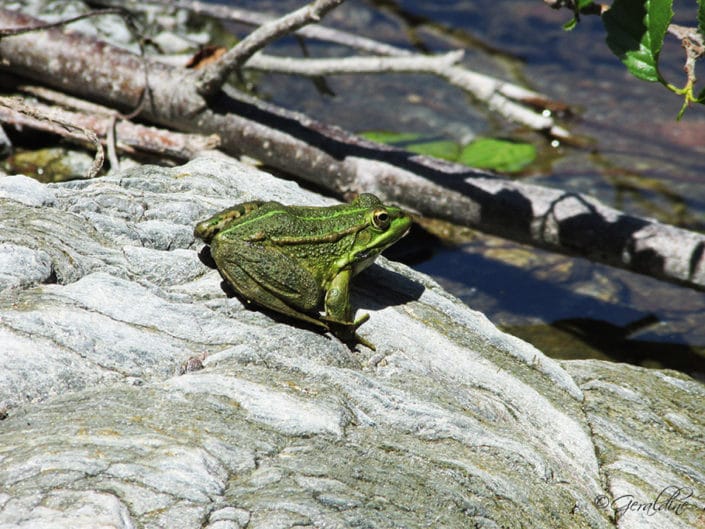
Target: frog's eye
{"x": 380, "y": 218}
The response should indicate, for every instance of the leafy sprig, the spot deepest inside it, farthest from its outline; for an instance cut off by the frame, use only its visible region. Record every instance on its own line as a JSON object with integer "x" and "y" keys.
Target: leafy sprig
{"x": 636, "y": 30}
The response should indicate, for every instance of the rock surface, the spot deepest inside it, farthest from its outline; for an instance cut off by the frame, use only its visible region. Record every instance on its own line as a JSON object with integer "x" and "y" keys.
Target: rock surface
{"x": 107, "y": 315}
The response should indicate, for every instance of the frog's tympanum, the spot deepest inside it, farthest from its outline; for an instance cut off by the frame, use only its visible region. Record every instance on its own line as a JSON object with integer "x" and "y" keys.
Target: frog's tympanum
{"x": 298, "y": 259}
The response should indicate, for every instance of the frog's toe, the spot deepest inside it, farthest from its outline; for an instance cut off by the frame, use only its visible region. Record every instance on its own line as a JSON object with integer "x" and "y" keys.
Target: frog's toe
{"x": 359, "y": 339}
{"x": 346, "y": 331}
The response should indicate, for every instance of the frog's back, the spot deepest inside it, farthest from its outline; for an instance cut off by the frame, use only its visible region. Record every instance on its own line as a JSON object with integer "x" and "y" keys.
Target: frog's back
{"x": 316, "y": 236}
{"x": 319, "y": 221}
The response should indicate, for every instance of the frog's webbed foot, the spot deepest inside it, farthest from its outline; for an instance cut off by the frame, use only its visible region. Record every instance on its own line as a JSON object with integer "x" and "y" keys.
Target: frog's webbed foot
{"x": 363, "y": 341}
{"x": 346, "y": 331}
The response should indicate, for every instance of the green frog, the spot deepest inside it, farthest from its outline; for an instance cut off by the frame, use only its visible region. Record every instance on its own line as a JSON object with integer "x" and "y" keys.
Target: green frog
{"x": 296, "y": 260}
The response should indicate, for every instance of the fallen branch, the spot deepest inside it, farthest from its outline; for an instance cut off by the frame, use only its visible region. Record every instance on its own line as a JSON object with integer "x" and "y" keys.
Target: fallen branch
{"x": 343, "y": 163}
{"x": 52, "y": 121}
{"x": 130, "y": 138}
{"x": 63, "y": 100}
{"x": 440, "y": 65}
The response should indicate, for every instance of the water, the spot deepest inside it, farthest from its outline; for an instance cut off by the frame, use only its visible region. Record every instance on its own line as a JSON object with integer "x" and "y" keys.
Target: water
{"x": 638, "y": 159}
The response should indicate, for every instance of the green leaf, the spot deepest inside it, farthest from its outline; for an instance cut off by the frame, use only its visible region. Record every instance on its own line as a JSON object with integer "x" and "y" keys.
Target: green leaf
{"x": 444, "y": 149}
{"x": 390, "y": 138}
{"x": 701, "y": 17}
{"x": 499, "y": 155}
{"x": 635, "y": 33}
{"x": 485, "y": 153}
{"x": 579, "y": 6}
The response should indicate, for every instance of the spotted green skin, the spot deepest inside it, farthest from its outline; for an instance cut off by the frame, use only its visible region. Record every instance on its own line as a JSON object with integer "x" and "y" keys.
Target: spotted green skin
{"x": 297, "y": 259}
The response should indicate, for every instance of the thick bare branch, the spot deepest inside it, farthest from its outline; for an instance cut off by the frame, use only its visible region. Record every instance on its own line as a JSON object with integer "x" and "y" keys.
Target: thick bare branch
{"x": 211, "y": 78}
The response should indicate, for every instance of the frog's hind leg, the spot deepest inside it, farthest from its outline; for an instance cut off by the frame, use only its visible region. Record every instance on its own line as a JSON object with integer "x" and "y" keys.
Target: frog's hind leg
{"x": 208, "y": 228}
{"x": 270, "y": 278}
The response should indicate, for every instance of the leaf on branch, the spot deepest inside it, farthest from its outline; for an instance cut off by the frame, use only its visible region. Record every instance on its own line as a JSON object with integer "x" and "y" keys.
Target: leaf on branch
{"x": 635, "y": 33}
{"x": 701, "y": 17}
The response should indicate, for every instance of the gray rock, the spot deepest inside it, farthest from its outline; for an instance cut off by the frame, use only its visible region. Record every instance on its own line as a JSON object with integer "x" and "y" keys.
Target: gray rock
{"x": 138, "y": 395}
{"x": 21, "y": 266}
{"x": 26, "y": 191}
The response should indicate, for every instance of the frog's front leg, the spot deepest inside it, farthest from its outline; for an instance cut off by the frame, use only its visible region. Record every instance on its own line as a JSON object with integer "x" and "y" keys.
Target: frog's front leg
{"x": 339, "y": 311}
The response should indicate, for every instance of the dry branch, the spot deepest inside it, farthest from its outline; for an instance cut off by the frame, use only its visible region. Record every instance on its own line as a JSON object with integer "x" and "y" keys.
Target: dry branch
{"x": 129, "y": 137}
{"x": 343, "y": 163}
{"x": 14, "y": 109}
{"x": 434, "y": 64}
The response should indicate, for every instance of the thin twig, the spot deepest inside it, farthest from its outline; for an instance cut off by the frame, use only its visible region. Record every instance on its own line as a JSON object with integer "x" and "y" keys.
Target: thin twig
{"x": 111, "y": 141}
{"x": 692, "y": 43}
{"x": 440, "y": 65}
{"x": 211, "y": 78}
{"x": 9, "y": 32}
{"x": 355, "y": 65}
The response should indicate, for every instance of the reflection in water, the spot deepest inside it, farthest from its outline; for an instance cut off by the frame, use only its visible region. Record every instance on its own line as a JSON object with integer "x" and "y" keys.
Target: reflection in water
{"x": 614, "y": 342}
{"x": 572, "y": 309}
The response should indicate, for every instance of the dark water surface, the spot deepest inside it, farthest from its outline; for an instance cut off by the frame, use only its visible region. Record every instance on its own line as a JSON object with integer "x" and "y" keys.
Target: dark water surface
{"x": 637, "y": 158}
